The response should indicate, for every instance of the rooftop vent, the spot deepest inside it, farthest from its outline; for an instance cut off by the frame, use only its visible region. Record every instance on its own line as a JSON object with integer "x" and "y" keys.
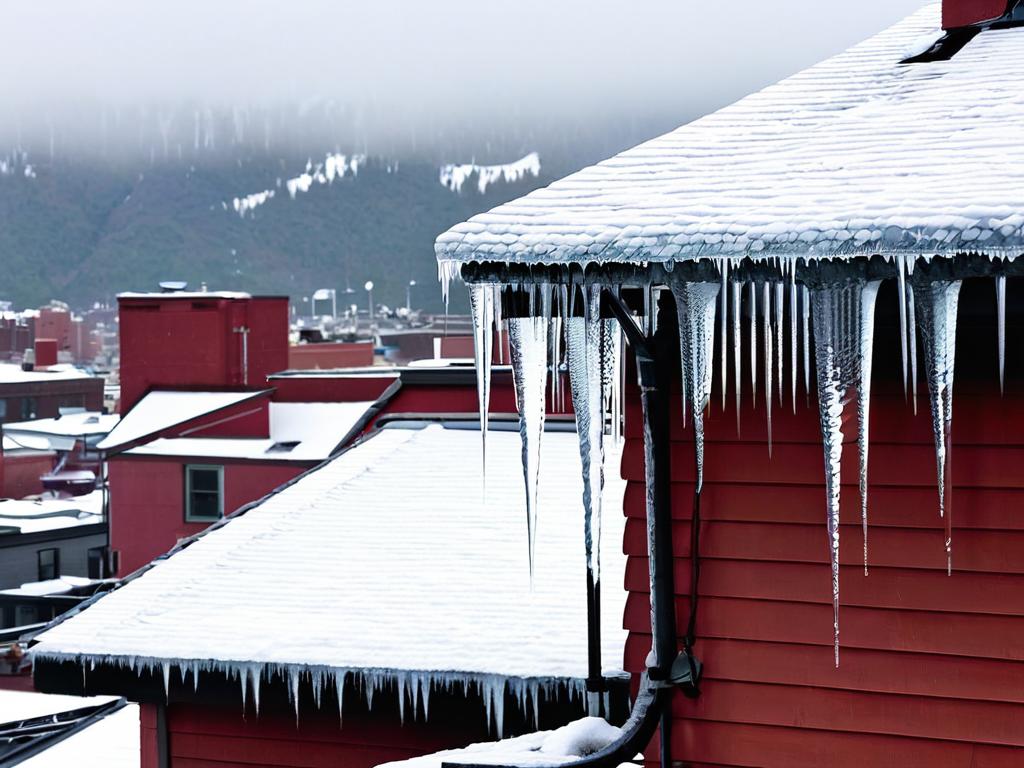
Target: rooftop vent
{"x": 283, "y": 447}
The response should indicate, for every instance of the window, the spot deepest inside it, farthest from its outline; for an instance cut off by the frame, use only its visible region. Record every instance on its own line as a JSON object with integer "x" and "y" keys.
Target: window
{"x": 3, "y": 410}
{"x": 204, "y": 493}
{"x": 28, "y": 408}
{"x": 49, "y": 564}
{"x": 97, "y": 558}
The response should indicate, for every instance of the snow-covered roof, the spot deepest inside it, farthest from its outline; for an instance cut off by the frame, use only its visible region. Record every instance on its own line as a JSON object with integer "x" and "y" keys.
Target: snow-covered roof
{"x": 68, "y": 425}
{"x": 184, "y": 295}
{"x": 425, "y": 582}
{"x": 316, "y": 429}
{"x": 27, "y": 516}
{"x": 160, "y": 410}
{"x": 59, "y": 586}
{"x": 14, "y": 374}
{"x": 857, "y": 155}
{"x": 563, "y": 745}
{"x": 110, "y": 742}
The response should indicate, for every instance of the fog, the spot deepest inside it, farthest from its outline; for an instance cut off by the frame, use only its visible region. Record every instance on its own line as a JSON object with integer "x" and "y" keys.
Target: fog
{"x": 121, "y": 76}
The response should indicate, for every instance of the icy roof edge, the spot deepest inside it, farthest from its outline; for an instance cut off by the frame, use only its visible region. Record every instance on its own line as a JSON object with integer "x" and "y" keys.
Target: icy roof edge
{"x": 413, "y": 684}
{"x": 878, "y": 265}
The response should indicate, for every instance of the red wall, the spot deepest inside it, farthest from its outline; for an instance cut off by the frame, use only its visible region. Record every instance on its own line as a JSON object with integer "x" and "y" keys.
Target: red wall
{"x": 932, "y": 666}
{"x": 175, "y": 342}
{"x": 330, "y": 355}
{"x": 54, "y": 324}
{"x": 960, "y": 13}
{"x": 19, "y": 474}
{"x": 147, "y": 505}
{"x": 332, "y": 389}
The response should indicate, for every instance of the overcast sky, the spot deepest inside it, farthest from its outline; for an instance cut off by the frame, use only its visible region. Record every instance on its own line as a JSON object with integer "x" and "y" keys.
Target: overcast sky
{"x": 443, "y": 59}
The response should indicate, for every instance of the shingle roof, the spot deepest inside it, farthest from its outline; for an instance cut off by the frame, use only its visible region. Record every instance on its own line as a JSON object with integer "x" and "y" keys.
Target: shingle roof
{"x": 858, "y": 154}
{"x": 383, "y": 560}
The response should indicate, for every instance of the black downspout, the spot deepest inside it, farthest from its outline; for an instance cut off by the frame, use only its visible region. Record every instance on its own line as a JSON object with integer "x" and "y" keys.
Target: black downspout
{"x": 651, "y": 706}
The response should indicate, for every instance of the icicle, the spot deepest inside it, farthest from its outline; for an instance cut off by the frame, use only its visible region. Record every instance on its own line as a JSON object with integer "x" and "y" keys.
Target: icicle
{"x": 583, "y": 347}
{"x": 836, "y": 355}
{"x": 293, "y": 689}
{"x": 554, "y": 316}
{"x": 901, "y": 282}
{"x": 400, "y": 688}
{"x": 1001, "y": 326}
{"x": 737, "y": 346}
{"x": 912, "y": 332}
{"x": 243, "y": 679}
{"x": 793, "y": 359}
{"x": 938, "y": 302}
{"x": 481, "y": 301}
{"x": 256, "y": 674}
{"x": 499, "y": 324}
{"x": 695, "y": 305}
{"x": 722, "y": 330}
{"x": 528, "y": 337}
{"x": 806, "y": 295}
{"x": 866, "y": 338}
{"x": 339, "y": 689}
{"x": 753, "y": 342}
{"x": 779, "y": 295}
{"x": 166, "y": 669}
{"x": 766, "y": 309}
{"x": 426, "y": 700}
{"x": 610, "y": 340}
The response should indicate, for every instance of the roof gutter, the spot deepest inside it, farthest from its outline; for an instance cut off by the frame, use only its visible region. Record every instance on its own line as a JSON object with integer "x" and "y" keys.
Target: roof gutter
{"x": 651, "y": 706}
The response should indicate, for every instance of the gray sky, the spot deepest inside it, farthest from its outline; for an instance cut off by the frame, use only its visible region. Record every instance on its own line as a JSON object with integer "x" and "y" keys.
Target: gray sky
{"x": 442, "y": 61}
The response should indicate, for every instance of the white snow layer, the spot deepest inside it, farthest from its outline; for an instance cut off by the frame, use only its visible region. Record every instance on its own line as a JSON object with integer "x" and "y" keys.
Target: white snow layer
{"x": 334, "y": 166}
{"x": 383, "y": 564}
{"x": 112, "y": 742}
{"x": 160, "y": 410}
{"x": 562, "y": 745}
{"x": 315, "y": 429}
{"x": 455, "y": 175}
{"x": 858, "y": 154}
{"x": 87, "y": 423}
{"x": 15, "y": 374}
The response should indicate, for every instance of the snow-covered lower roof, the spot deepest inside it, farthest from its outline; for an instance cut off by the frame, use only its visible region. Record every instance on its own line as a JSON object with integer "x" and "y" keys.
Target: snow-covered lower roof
{"x": 110, "y": 742}
{"x": 563, "y": 745}
{"x": 14, "y": 374}
{"x": 160, "y": 410}
{"x": 384, "y": 562}
{"x": 316, "y": 429}
{"x": 82, "y": 424}
{"x": 59, "y": 586}
{"x": 858, "y": 154}
{"x": 184, "y": 295}
{"x": 26, "y": 516}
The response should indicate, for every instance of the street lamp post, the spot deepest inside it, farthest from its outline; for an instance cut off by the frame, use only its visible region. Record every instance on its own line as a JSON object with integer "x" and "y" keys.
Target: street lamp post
{"x": 369, "y": 292}
{"x": 408, "y": 295}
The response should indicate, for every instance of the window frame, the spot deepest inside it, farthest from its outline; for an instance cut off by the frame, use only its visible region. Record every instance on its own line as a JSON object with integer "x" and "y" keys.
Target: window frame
{"x": 96, "y": 554}
{"x": 190, "y": 517}
{"x": 39, "y": 563}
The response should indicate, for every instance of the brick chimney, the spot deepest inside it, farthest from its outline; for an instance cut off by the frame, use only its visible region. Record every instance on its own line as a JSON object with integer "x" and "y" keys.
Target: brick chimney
{"x": 961, "y": 13}
{"x": 46, "y": 353}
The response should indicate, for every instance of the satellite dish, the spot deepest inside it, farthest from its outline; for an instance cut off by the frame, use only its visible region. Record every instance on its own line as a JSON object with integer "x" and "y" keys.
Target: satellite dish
{"x": 170, "y": 286}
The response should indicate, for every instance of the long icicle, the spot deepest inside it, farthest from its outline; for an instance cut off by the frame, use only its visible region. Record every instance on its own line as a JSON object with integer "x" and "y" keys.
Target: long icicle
{"x": 901, "y": 285}
{"x": 1001, "y": 327}
{"x": 752, "y": 294}
{"x": 528, "y": 339}
{"x": 937, "y": 306}
{"x": 481, "y": 299}
{"x": 794, "y": 364}
{"x": 867, "y": 337}
{"x": 695, "y": 306}
{"x": 583, "y": 348}
{"x": 779, "y": 312}
{"x": 912, "y": 333}
{"x": 836, "y": 353}
{"x": 737, "y": 346}
{"x": 723, "y": 330}
{"x": 766, "y": 319}
{"x": 806, "y": 312}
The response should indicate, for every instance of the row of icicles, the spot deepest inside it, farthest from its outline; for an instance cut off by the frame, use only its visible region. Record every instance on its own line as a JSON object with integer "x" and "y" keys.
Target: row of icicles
{"x": 556, "y": 337}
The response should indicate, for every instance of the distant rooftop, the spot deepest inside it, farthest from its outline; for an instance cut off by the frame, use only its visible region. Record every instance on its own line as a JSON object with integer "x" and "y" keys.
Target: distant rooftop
{"x": 13, "y": 374}
{"x": 27, "y": 516}
{"x": 184, "y": 295}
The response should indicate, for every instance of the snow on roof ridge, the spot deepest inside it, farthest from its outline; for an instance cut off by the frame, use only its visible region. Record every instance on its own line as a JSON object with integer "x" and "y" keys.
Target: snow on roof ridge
{"x": 856, "y": 155}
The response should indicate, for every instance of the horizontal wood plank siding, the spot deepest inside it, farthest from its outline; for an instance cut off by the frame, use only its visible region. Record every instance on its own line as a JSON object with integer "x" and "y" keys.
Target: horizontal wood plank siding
{"x": 932, "y": 666}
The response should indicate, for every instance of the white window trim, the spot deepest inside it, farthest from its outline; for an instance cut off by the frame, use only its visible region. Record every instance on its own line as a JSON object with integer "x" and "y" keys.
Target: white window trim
{"x": 219, "y": 469}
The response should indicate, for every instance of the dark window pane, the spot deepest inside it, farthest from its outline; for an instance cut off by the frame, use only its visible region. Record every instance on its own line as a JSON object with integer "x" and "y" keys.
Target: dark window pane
{"x": 49, "y": 564}
{"x": 206, "y": 505}
{"x": 205, "y": 480}
{"x": 97, "y": 562}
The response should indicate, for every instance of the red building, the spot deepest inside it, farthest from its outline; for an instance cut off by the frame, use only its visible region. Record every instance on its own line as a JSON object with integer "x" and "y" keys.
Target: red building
{"x": 182, "y": 340}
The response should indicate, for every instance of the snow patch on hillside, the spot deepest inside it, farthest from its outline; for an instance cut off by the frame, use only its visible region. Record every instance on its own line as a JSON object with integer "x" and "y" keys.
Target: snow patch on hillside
{"x": 334, "y": 166}
{"x": 454, "y": 176}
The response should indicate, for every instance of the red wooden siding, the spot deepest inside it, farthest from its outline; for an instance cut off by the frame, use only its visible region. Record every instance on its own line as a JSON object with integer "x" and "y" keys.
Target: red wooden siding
{"x": 932, "y": 666}
{"x": 960, "y": 13}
